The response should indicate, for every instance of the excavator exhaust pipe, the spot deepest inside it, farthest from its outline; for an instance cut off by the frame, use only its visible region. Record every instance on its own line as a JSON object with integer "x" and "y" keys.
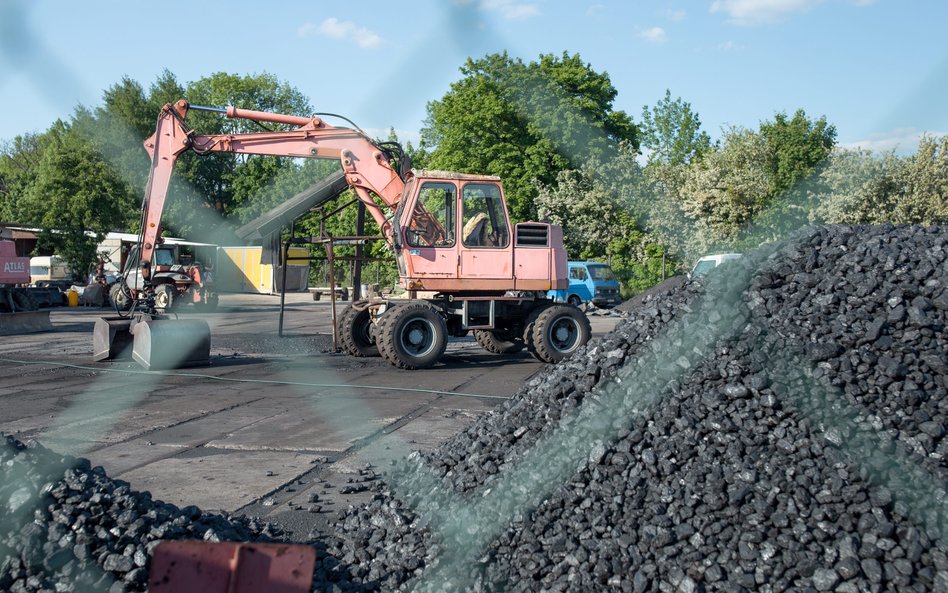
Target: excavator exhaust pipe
{"x": 154, "y": 343}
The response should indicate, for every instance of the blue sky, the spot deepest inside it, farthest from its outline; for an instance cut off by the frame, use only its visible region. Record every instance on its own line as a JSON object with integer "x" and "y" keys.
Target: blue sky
{"x": 877, "y": 69}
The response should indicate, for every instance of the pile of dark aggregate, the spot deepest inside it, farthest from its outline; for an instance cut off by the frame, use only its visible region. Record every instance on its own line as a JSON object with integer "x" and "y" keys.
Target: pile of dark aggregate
{"x": 779, "y": 426}
{"x": 66, "y": 526}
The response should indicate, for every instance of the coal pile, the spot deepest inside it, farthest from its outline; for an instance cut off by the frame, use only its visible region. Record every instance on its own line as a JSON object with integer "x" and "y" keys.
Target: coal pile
{"x": 778, "y": 427}
{"x": 66, "y": 526}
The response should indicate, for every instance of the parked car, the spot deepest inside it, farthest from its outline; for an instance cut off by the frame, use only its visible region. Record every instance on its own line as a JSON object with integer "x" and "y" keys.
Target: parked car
{"x": 589, "y": 282}
{"x": 709, "y": 262}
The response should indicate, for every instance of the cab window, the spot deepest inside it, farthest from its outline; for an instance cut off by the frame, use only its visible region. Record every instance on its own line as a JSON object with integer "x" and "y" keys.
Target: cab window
{"x": 577, "y": 273}
{"x": 432, "y": 222}
{"x": 163, "y": 257}
{"x": 483, "y": 223}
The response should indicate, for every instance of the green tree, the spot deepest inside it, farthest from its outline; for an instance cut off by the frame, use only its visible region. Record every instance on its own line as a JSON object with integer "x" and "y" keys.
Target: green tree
{"x": 525, "y": 122}
{"x": 76, "y": 197}
{"x": 600, "y": 209}
{"x": 671, "y": 131}
{"x": 19, "y": 160}
{"x": 797, "y": 146}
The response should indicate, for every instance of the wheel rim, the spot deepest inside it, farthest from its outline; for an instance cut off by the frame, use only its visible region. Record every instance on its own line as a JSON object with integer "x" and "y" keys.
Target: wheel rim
{"x": 417, "y": 337}
{"x": 364, "y": 333}
{"x": 564, "y": 334}
{"x": 161, "y": 298}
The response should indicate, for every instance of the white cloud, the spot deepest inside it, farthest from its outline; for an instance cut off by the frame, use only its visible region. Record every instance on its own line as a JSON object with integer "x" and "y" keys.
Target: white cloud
{"x": 595, "y": 9}
{"x": 511, "y": 9}
{"x": 676, "y": 15}
{"x": 654, "y": 35}
{"x": 730, "y": 45}
{"x": 901, "y": 140}
{"x": 759, "y": 12}
{"x": 336, "y": 29}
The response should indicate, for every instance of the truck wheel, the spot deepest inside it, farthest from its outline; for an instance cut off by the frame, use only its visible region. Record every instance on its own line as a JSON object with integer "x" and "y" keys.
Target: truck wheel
{"x": 498, "y": 341}
{"x": 25, "y": 301}
{"x": 121, "y": 299}
{"x": 558, "y": 332}
{"x": 164, "y": 297}
{"x": 412, "y": 336}
{"x": 356, "y": 332}
{"x": 574, "y": 300}
{"x": 528, "y": 326}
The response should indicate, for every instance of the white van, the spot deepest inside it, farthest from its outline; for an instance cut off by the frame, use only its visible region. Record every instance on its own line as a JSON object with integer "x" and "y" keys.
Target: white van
{"x": 48, "y": 267}
{"x": 709, "y": 262}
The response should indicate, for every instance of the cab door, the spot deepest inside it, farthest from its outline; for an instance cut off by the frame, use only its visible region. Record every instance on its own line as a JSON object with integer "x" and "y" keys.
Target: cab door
{"x": 429, "y": 232}
{"x": 486, "y": 250}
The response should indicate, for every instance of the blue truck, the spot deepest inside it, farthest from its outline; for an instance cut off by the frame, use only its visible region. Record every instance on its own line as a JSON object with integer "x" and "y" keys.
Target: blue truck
{"x": 589, "y": 282}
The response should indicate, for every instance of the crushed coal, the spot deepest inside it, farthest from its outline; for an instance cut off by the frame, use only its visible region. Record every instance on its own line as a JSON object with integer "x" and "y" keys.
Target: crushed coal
{"x": 66, "y": 526}
{"x": 777, "y": 426}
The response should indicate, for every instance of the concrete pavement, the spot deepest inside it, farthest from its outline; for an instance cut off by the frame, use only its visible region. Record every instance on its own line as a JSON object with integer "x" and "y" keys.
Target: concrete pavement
{"x": 276, "y": 427}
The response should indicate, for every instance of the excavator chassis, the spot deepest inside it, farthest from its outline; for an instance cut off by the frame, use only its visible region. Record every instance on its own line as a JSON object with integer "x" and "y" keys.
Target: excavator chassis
{"x": 153, "y": 341}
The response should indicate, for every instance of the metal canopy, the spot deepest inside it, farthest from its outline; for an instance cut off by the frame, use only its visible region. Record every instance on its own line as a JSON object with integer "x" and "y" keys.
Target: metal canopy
{"x": 273, "y": 221}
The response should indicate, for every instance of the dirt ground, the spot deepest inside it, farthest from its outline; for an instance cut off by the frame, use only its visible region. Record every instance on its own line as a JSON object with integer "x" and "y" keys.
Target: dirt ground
{"x": 281, "y": 428}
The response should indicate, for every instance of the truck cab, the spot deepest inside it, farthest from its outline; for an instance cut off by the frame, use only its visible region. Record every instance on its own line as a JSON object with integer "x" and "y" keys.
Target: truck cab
{"x": 589, "y": 282}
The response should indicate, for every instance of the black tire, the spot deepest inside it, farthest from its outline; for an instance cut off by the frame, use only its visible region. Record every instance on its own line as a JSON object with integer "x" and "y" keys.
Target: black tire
{"x": 498, "y": 341}
{"x": 528, "y": 326}
{"x": 559, "y": 331}
{"x": 574, "y": 300}
{"x": 412, "y": 336}
{"x": 164, "y": 297}
{"x": 120, "y": 297}
{"x": 25, "y": 301}
{"x": 357, "y": 332}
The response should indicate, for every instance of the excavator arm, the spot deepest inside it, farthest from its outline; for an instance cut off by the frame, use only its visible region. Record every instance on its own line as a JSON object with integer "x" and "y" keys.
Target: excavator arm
{"x": 366, "y": 166}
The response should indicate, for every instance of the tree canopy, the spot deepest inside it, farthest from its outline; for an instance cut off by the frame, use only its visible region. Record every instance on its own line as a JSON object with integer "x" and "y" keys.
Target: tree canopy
{"x": 525, "y": 122}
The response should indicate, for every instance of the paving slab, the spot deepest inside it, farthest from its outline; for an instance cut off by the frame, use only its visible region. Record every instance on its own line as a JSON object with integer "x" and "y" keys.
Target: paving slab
{"x": 221, "y": 480}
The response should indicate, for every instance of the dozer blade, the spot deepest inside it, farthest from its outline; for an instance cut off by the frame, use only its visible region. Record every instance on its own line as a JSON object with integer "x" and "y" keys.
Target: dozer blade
{"x": 160, "y": 344}
{"x": 24, "y": 322}
{"x": 111, "y": 339}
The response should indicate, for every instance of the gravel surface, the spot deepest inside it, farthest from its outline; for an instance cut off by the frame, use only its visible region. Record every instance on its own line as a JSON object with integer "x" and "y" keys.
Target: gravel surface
{"x": 779, "y": 427}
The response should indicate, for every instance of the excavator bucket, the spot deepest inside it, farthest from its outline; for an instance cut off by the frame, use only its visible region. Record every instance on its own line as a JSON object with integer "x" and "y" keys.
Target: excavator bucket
{"x": 160, "y": 344}
{"x": 111, "y": 339}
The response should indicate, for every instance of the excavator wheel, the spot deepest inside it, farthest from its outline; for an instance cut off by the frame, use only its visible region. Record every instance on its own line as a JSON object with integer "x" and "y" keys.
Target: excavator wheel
{"x": 528, "y": 325}
{"x": 164, "y": 297}
{"x": 120, "y": 297}
{"x": 356, "y": 331}
{"x": 559, "y": 331}
{"x": 412, "y": 335}
{"x": 498, "y": 341}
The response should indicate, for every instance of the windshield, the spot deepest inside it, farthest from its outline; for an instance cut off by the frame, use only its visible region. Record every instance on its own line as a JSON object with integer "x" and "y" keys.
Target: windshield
{"x": 164, "y": 257}
{"x": 703, "y": 267}
{"x": 602, "y": 273}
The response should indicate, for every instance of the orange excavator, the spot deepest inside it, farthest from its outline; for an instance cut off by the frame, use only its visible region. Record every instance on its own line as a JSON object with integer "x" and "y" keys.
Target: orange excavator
{"x": 464, "y": 266}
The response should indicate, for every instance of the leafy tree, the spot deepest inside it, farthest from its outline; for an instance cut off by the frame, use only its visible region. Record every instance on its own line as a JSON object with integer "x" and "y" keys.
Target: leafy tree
{"x": 924, "y": 180}
{"x": 19, "y": 161}
{"x": 797, "y": 146}
{"x": 724, "y": 191}
{"x": 76, "y": 198}
{"x": 672, "y": 133}
{"x": 599, "y": 208}
{"x": 524, "y": 122}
